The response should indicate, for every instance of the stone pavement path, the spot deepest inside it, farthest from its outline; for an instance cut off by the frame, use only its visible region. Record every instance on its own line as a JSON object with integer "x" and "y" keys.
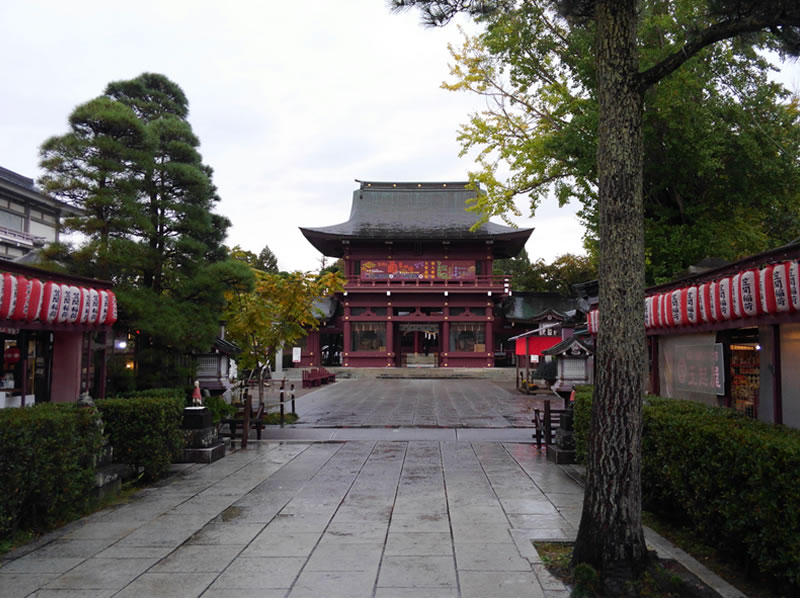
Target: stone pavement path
{"x": 354, "y": 518}
{"x": 417, "y": 403}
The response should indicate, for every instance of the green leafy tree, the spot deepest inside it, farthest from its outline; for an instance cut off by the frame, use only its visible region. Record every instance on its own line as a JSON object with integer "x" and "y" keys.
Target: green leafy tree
{"x": 276, "y": 313}
{"x": 267, "y": 261}
{"x": 130, "y": 161}
{"x": 721, "y": 141}
{"x": 539, "y": 276}
{"x": 610, "y": 536}
{"x": 264, "y": 261}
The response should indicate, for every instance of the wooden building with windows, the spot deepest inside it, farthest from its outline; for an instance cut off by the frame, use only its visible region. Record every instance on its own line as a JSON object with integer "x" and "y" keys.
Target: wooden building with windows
{"x": 420, "y": 289}
{"x": 28, "y": 217}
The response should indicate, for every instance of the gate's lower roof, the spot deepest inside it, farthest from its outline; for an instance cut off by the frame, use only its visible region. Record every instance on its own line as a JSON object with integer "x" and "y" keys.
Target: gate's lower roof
{"x": 416, "y": 212}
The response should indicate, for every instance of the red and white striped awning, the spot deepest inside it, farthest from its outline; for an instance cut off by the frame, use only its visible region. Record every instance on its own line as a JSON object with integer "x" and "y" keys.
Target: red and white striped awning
{"x": 770, "y": 290}
{"x": 29, "y": 300}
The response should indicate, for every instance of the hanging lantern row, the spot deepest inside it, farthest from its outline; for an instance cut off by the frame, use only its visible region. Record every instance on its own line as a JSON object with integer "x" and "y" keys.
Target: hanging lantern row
{"x": 771, "y": 290}
{"x": 23, "y": 299}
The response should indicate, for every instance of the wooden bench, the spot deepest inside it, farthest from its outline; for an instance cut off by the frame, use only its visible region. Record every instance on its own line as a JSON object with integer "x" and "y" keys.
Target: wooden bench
{"x": 546, "y": 422}
{"x": 330, "y": 377}
{"x": 310, "y": 378}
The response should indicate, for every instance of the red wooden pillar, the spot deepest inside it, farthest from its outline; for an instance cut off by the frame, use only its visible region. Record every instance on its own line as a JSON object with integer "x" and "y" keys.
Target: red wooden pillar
{"x": 489, "y": 343}
{"x": 346, "y": 341}
{"x": 445, "y": 341}
{"x": 389, "y": 343}
{"x": 416, "y": 342}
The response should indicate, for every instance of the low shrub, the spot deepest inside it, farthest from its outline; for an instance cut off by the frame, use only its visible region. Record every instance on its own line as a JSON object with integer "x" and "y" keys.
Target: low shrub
{"x": 218, "y": 408}
{"x": 144, "y": 431}
{"x": 47, "y": 455}
{"x": 732, "y": 479}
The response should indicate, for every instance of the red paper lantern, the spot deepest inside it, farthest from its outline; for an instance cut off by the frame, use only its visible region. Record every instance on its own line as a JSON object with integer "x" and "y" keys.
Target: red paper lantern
{"x": 704, "y": 302}
{"x": 675, "y": 308}
{"x": 8, "y": 296}
{"x": 51, "y": 303}
{"x": 736, "y": 296}
{"x": 766, "y": 289}
{"x": 66, "y": 302}
{"x": 112, "y": 308}
{"x": 83, "y": 315}
{"x": 780, "y": 287}
{"x": 724, "y": 298}
{"x": 665, "y": 310}
{"x": 12, "y": 355}
{"x": 692, "y": 305}
{"x": 35, "y": 302}
{"x": 94, "y": 306}
{"x": 749, "y": 293}
{"x": 794, "y": 285}
{"x": 23, "y": 298}
{"x": 102, "y": 312}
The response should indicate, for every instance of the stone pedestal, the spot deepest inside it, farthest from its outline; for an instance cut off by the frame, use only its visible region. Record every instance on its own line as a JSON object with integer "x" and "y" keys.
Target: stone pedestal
{"x": 201, "y": 443}
{"x": 563, "y": 451}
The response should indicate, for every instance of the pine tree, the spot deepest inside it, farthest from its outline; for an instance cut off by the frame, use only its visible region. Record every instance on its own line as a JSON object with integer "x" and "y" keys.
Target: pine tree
{"x": 162, "y": 245}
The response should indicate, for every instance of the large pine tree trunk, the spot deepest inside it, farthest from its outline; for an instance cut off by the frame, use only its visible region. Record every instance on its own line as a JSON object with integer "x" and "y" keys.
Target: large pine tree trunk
{"x": 610, "y": 537}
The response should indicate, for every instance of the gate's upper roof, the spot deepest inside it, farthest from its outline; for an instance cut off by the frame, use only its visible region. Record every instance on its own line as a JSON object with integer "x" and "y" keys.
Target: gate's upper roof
{"x": 415, "y": 212}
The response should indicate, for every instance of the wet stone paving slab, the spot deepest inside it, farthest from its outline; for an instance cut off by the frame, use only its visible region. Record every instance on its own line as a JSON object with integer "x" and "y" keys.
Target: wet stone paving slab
{"x": 336, "y": 519}
{"x": 418, "y": 403}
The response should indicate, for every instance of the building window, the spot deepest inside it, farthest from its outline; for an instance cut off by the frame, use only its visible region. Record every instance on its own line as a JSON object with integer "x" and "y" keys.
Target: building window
{"x": 357, "y": 310}
{"x": 368, "y": 337}
{"x": 379, "y": 311}
{"x": 468, "y": 337}
{"x": 456, "y": 311}
{"x": 11, "y": 221}
{"x": 404, "y": 312}
{"x": 432, "y": 310}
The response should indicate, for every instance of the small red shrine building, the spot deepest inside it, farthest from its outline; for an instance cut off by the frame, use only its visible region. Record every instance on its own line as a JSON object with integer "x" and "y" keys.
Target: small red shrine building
{"x": 420, "y": 288}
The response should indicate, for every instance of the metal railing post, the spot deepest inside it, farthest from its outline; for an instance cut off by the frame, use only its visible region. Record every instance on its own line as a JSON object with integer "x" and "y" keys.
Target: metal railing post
{"x": 248, "y": 405}
{"x": 293, "y": 408}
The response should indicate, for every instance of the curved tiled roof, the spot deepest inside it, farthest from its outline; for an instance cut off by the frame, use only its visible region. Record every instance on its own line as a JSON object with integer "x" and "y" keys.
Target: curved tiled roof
{"x": 414, "y": 212}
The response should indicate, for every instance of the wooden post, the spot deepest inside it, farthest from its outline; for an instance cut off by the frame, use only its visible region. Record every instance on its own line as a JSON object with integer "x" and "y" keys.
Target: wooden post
{"x": 248, "y": 404}
{"x": 293, "y": 408}
{"x": 282, "y": 410}
{"x": 548, "y": 431}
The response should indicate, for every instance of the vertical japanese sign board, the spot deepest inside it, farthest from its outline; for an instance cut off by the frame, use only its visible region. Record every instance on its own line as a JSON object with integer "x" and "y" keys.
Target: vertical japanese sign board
{"x": 700, "y": 369}
{"x": 296, "y": 354}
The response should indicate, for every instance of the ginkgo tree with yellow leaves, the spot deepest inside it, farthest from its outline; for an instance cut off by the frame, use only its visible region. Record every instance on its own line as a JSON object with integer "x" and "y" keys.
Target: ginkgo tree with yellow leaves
{"x": 277, "y": 312}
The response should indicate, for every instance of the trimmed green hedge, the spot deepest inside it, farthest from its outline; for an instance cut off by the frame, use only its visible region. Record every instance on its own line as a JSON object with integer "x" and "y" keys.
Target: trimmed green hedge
{"x": 47, "y": 456}
{"x": 733, "y": 480}
{"x": 177, "y": 393}
{"x": 145, "y": 432}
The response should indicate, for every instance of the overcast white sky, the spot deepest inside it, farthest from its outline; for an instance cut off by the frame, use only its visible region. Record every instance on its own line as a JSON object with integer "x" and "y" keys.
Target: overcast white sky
{"x": 292, "y": 101}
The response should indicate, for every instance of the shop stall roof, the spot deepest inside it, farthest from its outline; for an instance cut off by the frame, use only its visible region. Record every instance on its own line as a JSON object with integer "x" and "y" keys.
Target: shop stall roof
{"x": 416, "y": 212}
{"x": 584, "y": 341}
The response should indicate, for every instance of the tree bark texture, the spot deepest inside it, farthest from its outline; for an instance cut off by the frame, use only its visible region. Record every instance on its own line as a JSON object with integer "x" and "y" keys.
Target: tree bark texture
{"x": 610, "y": 537}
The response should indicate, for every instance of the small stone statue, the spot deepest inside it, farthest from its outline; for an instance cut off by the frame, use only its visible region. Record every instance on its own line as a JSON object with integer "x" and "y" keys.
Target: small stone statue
{"x": 85, "y": 401}
{"x": 197, "y": 395}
